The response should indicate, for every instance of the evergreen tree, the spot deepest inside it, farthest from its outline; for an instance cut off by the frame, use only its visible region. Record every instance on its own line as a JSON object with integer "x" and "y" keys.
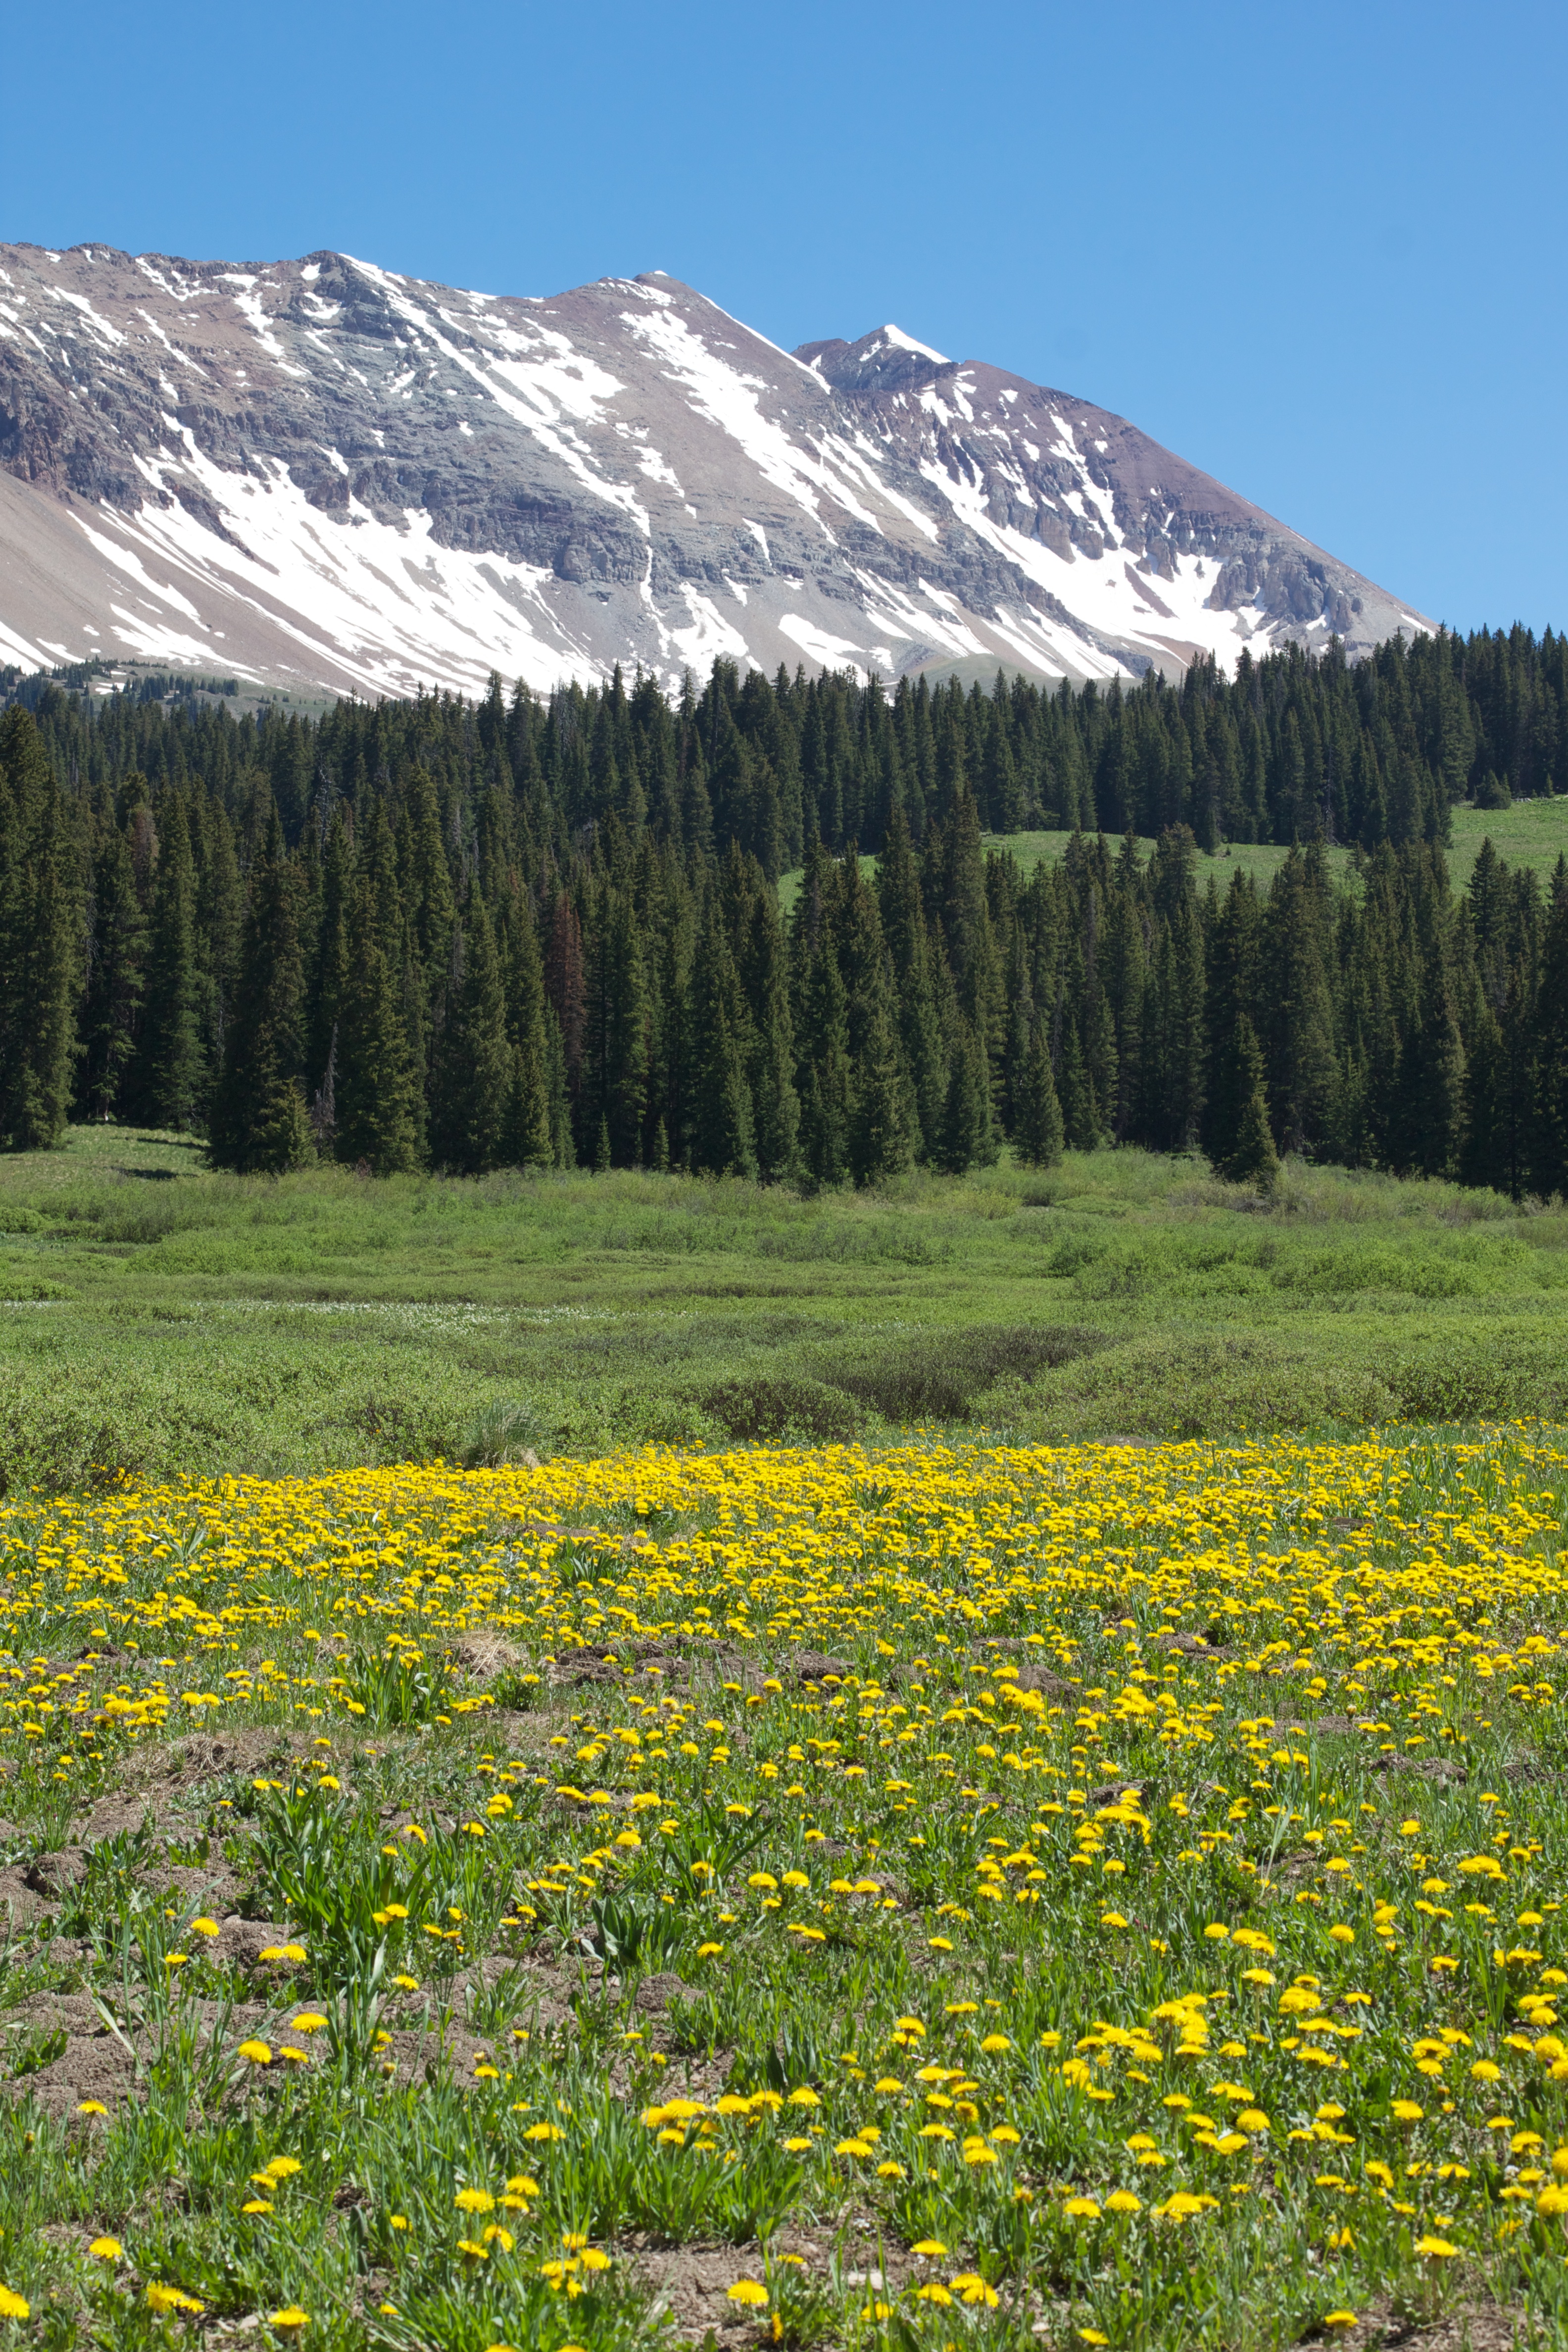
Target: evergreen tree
{"x": 721, "y": 1138}
{"x": 112, "y": 1002}
{"x": 1080, "y": 1119}
{"x": 1400, "y": 1027}
{"x": 377, "y": 1118}
{"x": 1549, "y": 1155}
{"x": 259, "y": 1123}
{"x": 39, "y": 942}
{"x": 473, "y": 1114}
{"x": 776, "y": 1102}
{"x": 967, "y": 1137}
{"x": 1251, "y": 1158}
{"x": 1295, "y": 1016}
{"x": 1037, "y": 1131}
{"x": 917, "y": 1010}
{"x": 823, "y": 1077}
{"x": 530, "y": 1142}
{"x": 170, "y": 1084}
{"x": 615, "y": 1023}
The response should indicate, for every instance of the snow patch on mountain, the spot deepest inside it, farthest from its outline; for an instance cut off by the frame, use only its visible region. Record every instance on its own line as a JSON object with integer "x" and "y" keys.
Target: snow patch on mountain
{"x": 326, "y": 473}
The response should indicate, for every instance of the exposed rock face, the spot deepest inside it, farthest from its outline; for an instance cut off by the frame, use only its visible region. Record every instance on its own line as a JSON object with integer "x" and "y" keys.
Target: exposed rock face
{"x": 319, "y": 475}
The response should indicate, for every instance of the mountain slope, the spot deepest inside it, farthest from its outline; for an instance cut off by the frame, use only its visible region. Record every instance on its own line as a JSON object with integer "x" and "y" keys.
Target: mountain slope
{"x": 320, "y": 474}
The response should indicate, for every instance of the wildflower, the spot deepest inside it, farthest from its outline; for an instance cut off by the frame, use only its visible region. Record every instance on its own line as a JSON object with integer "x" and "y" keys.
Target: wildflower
{"x": 970, "y": 2287}
{"x": 16, "y": 2306}
{"x": 258, "y": 2052}
{"x": 1436, "y": 2249}
{"x": 169, "y": 2298}
{"x": 750, "y": 2293}
{"x": 106, "y": 2250}
{"x": 289, "y": 2318}
{"x": 93, "y": 2107}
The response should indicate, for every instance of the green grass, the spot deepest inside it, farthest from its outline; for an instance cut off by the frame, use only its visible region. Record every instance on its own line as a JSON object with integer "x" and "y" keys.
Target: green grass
{"x": 157, "y": 1317}
{"x": 1532, "y": 833}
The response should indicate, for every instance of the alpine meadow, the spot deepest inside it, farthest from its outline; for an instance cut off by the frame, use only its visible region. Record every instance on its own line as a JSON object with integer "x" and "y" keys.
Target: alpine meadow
{"x": 677, "y": 1372}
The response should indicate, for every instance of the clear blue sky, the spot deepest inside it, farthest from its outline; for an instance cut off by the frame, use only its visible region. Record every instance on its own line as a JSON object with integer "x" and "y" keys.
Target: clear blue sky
{"x": 1316, "y": 252}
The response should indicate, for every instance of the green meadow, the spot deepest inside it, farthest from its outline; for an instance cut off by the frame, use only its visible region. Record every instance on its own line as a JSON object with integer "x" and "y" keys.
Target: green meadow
{"x": 1532, "y": 833}
{"x": 160, "y": 1318}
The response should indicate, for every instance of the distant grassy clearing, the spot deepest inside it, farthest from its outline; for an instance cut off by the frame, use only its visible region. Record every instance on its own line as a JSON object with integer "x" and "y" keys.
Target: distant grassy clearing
{"x": 1532, "y": 833}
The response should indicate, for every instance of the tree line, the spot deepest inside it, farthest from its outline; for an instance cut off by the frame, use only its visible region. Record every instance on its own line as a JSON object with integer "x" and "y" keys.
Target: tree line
{"x": 548, "y": 932}
{"x": 1291, "y": 747}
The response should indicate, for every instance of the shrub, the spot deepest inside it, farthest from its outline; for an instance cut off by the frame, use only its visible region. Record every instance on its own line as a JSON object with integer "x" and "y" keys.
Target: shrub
{"x": 503, "y": 1431}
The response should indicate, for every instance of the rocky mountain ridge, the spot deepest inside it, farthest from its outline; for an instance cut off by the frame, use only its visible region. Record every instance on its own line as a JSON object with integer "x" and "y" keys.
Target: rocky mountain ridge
{"x": 320, "y": 475}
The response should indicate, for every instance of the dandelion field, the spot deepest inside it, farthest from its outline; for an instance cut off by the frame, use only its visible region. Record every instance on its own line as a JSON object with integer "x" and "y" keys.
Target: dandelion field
{"x": 919, "y": 1897}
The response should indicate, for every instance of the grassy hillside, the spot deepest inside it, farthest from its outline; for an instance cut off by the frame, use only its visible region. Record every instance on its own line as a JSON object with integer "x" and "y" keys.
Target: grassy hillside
{"x": 1531, "y": 833}
{"x": 157, "y": 1317}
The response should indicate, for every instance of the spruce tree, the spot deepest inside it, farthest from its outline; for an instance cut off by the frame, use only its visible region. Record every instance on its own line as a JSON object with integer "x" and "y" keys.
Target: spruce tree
{"x": 880, "y": 1137}
{"x": 1295, "y": 1016}
{"x": 823, "y": 1070}
{"x": 720, "y": 1132}
{"x": 1230, "y": 989}
{"x": 905, "y": 930}
{"x": 171, "y": 1079}
{"x": 1074, "y": 1092}
{"x": 1251, "y": 1158}
{"x": 721, "y": 1135}
{"x": 616, "y": 1022}
{"x": 529, "y": 1139}
{"x": 328, "y": 965}
{"x": 473, "y": 1113}
{"x": 39, "y": 942}
{"x": 762, "y": 955}
{"x": 967, "y": 1136}
{"x": 1549, "y": 1152}
{"x": 259, "y": 1124}
{"x": 1037, "y": 1132}
{"x": 112, "y": 1003}
{"x": 377, "y": 1116}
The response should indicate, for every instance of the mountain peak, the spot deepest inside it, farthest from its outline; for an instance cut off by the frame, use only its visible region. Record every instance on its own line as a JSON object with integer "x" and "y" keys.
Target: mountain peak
{"x": 885, "y": 360}
{"x": 322, "y": 475}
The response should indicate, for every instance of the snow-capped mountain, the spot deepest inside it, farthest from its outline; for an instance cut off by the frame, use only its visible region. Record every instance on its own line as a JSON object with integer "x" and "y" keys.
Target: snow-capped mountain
{"x": 318, "y": 475}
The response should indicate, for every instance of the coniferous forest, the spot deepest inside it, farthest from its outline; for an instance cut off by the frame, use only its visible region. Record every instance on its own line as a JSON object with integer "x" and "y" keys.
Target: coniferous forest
{"x": 430, "y": 933}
